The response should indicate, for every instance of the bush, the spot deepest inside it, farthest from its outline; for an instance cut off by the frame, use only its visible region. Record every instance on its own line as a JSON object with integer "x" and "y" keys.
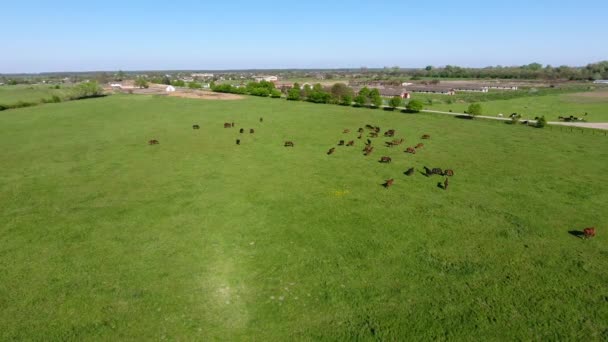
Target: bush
{"x": 395, "y": 102}
{"x": 3, "y": 107}
{"x": 360, "y": 100}
{"x": 194, "y": 85}
{"x": 474, "y": 109}
{"x": 541, "y": 122}
{"x": 414, "y": 106}
{"x": 294, "y": 94}
{"x": 86, "y": 90}
{"x": 275, "y": 93}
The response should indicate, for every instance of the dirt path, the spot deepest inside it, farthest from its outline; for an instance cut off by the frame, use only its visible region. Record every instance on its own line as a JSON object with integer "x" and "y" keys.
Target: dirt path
{"x": 596, "y": 125}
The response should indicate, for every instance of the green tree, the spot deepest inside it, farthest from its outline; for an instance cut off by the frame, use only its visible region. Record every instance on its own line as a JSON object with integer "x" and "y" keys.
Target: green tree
{"x": 474, "y": 109}
{"x": 360, "y": 100}
{"x": 294, "y": 94}
{"x": 374, "y": 97}
{"x": 275, "y": 93}
{"x": 339, "y": 90}
{"x": 307, "y": 90}
{"x": 347, "y": 100}
{"x": 194, "y": 85}
{"x": 414, "y": 106}
{"x": 364, "y": 91}
{"x": 141, "y": 82}
{"x": 178, "y": 83}
{"x": 395, "y": 102}
{"x": 297, "y": 86}
{"x": 85, "y": 90}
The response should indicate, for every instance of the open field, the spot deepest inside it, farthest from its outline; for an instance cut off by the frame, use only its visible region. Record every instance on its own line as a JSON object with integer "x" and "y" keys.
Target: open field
{"x": 103, "y": 237}
{"x": 12, "y": 94}
{"x": 551, "y": 106}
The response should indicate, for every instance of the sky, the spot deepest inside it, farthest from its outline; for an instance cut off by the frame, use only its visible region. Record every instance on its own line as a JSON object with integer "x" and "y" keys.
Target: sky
{"x": 46, "y": 36}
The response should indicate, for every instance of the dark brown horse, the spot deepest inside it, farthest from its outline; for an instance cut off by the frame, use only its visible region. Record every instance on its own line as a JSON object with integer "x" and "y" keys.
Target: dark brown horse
{"x": 289, "y": 144}
{"x": 153, "y": 142}
{"x": 409, "y": 171}
{"x": 385, "y": 159}
{"x": 351, "y": 143}
{"x": 195, "y": 127}
{"x": 426, "y": 136}
{"x": 589, "y": 232}
{"x": 410, "y": 150}
{"x": 331, "y": 150}
{"x": 388, "y": 183}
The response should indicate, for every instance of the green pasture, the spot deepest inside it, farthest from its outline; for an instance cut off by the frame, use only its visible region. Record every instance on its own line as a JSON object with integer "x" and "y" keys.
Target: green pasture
{"x": 104, "y": 237}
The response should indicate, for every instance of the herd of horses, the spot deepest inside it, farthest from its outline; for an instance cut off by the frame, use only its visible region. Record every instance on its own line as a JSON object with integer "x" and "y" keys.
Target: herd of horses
{"x": 374, "y": 132}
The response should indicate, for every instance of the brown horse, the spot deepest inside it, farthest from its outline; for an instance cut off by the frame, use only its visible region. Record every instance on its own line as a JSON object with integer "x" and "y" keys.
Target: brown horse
{"x": 289, "y": 144}
{"x": 251, "y": 131}
{"x": 426, "y": 136}
{"x": 351, "y": 143}
{"x": 227, "y": 125}
{"x": 448, "y": 172}
{"x": 385, "y": 159}
{"x": 331, "y": 150}
{"x": 589, "y": 232}
{"x": 369, "y": 151}
{"x": 419, "y": 145}
{"x": 241, "y": 130}
{"x": 409, "y": 171}
{"x": 341, "y": 143}
{"x": 410, "y": 150}
{"x": 346, "y": 131}
{"x": 238, "y": 141}
{"x": 153, "y": 142}
{"x": 261, "y": 119}
{"x": 195, "y": 127}
{"x": 388, "y": 183}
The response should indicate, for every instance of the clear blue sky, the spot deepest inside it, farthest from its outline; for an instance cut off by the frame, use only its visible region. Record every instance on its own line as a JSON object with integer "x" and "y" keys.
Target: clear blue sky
{"x": 81, "y": 35}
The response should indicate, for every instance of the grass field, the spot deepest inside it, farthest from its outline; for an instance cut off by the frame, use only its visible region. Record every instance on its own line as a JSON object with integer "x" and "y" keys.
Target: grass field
{"x": 103, "y": 237}
{"x": 551, "y": 106}
{"x": 12, "y": 94}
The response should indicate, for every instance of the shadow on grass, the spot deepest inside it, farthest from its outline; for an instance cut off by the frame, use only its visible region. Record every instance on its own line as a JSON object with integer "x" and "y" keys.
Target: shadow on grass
{"x": 576, "y": 233}
{"x": 409, "y": 111}
{"x": 464, "y": 117}
{"x": 388, "y": 109}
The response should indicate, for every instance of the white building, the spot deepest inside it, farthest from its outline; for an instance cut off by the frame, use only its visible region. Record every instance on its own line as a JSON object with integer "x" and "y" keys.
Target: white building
{"x": 601, "y": 82}
{"x": 266, "y": 78}
{"x": 204, "y": 75}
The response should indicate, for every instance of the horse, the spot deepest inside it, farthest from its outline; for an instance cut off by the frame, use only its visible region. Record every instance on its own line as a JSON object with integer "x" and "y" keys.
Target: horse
{"x": 589, "y": 232}
{"x": 241, "y": 130}
{"x": 420, "y": 145}
{"x": 238, "y": 141}
{"x": 346, "y": 131}
{"x": 426, "y": 136}
{"x": 448, "y": 172}
{"x": 410, "y": 150}
{"x": 153, "y": 142}
{"x": 369, "y": 151}
{"x": 289, "y": 144}
{"x": 341, "y": 143}
{"x": 351, "y": 143}
{"x": 385, "y": 159}
{"x": 409, "y": 171}
{"x": 195, "y": 127}
{"x": 227, "y": 125}
{"x": 331, "y": 150}
{"x": 251, "y": 131}
{"x": 388, "y": 183}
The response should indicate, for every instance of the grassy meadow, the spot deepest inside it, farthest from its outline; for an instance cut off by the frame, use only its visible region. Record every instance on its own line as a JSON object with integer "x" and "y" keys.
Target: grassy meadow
{"x": 104, "y": 237}
{"x": 10, "y": 95}
{"x": 551, "y": 106}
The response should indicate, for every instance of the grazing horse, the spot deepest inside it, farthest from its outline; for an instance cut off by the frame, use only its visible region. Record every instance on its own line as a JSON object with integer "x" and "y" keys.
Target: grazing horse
{"x": 261, "y": 119}
{"x": 419, "y": 145}
{"x": 389, "y": 133}
{"x": 369, "y": 151}
{"x": 360, "y": 130}
{"x": 331, "y": 150}
{"x": 385, "y": 159}
{"x": 227, "y": 125}
{"x": 289, "y": 144}
{"x": 251, "y": 131}
{"x": 388, "y": 183}
{"x": 369, "y": 142}
{"x": 409, "y": 171}
{"x": 153, "y": 142}
{"x": 241, "y": 130}
{"x": 426, "y": 136}
{"x": 377, "y": 129}
{"x": 341, "y": 143}
{"x": 351, "y": 143}
{"x": 238, "y": 141}
{"x": 448, "y": 172}
{"x": 410, "y": 150}
{"x": 589, "y": 232}
{"x": 360, "y": 136}
{"x": 437, "y": 171}
{"x": 195, "y": 127}
{"x": 346, "y": 131}
{"x": 373, "y": 134}
{"x": 369, "y": 126}
{"x": 445, "y": 184}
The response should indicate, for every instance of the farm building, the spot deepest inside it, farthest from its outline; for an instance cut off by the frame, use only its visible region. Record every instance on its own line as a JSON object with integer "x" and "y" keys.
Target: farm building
{"x": 392, "y": 92}
{"x": 601, "y": 82}
{"x": 431, "y": 90}
{"x": 266, "y": 78}
{"x": 476, "y": 89}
